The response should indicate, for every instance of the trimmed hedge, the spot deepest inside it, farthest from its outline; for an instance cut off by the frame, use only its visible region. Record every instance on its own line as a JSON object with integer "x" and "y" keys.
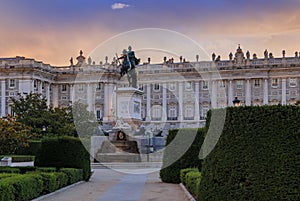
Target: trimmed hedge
{"x": 5, "y": 175}
{"x": 170, "y": 173}
{"x": 23, "y": 187}
{"x": 257, "y": 156}
{"x": 6, "y": 169}
{"x": 64, "y": 152}
{"x": 192, "y": 180}
{"x": 183, "y": 173}
{"x": 74, "y": 175}
{"x": 32, "y": 149}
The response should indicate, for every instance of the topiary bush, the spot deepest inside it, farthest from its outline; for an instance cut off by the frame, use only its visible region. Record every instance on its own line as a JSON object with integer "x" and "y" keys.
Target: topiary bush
{"x": 74, "y": 175}
{"x": 32, "y": 149}
{"x": 20, "y": 187}
{"x": 64, "y": 152}
{"x": 192, "y": 180}
{"x": 183, "y": 173}
{"x": 257, "y": 156}
{"x": 7, "y": 169}
{"x": 170, "y": 173}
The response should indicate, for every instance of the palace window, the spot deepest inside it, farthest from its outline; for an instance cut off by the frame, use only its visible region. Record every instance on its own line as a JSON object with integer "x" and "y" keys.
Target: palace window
{"x": 293, "y": 82}
{"x": 141, "y": 87}
{"x": 222, "y": 84}
{"x": 188, "y": 111}
{"x": 98, "y": 87}
{"x": 239, "y": 84}
{"x": 80, "y": 87}
{"x": 156, "y": 111}
{"x": 204, "y": 111}
{"x": 204, "y": 85}
{"x": 98, "y": 114}
{"x": 63, "y": 87}
{"x": 35, "y": 84}
{"x": 156, "y": 87}
{"x": 12, "y": 83}
{"x": 274, "y": 82}
{"x": 172, "y": 86}
{"x": 256, "y": 82}
{"x": 172, "y": 111}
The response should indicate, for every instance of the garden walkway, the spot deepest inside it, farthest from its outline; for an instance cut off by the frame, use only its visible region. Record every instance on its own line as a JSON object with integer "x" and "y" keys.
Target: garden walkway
{"x": 110, "y": 185}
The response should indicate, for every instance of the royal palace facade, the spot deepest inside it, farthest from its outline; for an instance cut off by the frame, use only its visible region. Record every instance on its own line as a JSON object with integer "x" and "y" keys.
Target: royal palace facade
{"x": 175, "y": 94}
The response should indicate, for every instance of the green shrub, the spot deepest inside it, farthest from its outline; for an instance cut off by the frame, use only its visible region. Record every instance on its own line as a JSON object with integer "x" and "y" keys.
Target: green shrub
{"x": 192, "y": 182}
{"x": 183, "y": 173}
{"x": 32, "y": 149}
{"x": 74, "y": 175}
{"x": 46, "y": 169}
{"x": 50, "y": 182}
{"x": 20, "y": 158}
{"x": 25, "y": 169}
{"x": 7, "y": 191}
{"x": 62, "y": 179}
{"x": 7, "y": 169}
{"x": 5, "y": 175}
{"x": 170, "y": 173}
{"x": 21, "y": 187}
{"x": 257, "y": 156}
{"x": 68, "y": 153}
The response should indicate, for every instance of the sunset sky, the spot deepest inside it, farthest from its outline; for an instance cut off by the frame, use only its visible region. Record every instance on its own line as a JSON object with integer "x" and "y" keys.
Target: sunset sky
{"x": 52, "y": 31}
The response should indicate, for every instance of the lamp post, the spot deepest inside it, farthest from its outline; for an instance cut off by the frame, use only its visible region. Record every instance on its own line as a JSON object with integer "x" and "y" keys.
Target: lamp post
{"x": 44, "y": 130}
{"x": 236, "y": 102}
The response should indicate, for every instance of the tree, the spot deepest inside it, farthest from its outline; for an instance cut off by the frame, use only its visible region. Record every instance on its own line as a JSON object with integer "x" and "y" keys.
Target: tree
{"x": 84, "y": 120}
{"x": 60, "y": 122}
{"x": 31, "y": 110}
{"x": 13, "y": 135}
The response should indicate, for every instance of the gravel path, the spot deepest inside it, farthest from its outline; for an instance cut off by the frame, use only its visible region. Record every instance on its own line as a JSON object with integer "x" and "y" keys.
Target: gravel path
{"x": 109, "y": 185}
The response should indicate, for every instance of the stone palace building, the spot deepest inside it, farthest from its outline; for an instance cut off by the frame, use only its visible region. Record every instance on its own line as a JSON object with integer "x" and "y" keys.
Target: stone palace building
{"x": 176, "y": 94}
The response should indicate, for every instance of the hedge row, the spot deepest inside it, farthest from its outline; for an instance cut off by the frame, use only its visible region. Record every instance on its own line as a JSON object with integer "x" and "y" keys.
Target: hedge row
{"x": 64, "y": 152}
{"x": 32, "y": 149}
{"x": 182, "y": 151}
{"x": 191, "y": 178}
{"x": 257, "y": 156}
{"x": 23, "y": 187}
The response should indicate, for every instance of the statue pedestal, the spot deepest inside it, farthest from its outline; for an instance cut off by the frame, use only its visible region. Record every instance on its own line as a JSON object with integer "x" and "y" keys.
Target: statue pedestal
{"x": 129, "y": 104}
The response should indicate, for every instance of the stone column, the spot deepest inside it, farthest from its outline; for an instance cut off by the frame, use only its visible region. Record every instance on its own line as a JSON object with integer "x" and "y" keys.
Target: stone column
{"x": 180, "y": 101}
{"x": 164, "y": 102}
{"x": 3, "y": 99}
{"x": 266, "y": 92}
{"x": 111, "y": 89}
{"x": 40, "y": 87}
{"x": 214, "y": 95}
{"x": 283, "y": 92}
{"x": 248, "y": 93}
{"x": 230, "y": 94}
{"x": 197, "y": 111}
{"x": 71, "y": 86}
{"x": 148, "y": 103}
{"x": 48, "y": 94}
{"x": 55, "y": 95}
{"x": 89, "y": 97}
{"x": 106, "y": 102}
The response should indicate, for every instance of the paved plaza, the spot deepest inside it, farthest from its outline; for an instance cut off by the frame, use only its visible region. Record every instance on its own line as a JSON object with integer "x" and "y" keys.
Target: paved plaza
{"x": 112, "y": 185}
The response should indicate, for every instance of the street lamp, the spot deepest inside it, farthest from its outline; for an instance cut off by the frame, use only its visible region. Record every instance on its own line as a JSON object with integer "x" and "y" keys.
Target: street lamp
{"x": 236, "y": 102}
{"x": 44, "y": 130}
